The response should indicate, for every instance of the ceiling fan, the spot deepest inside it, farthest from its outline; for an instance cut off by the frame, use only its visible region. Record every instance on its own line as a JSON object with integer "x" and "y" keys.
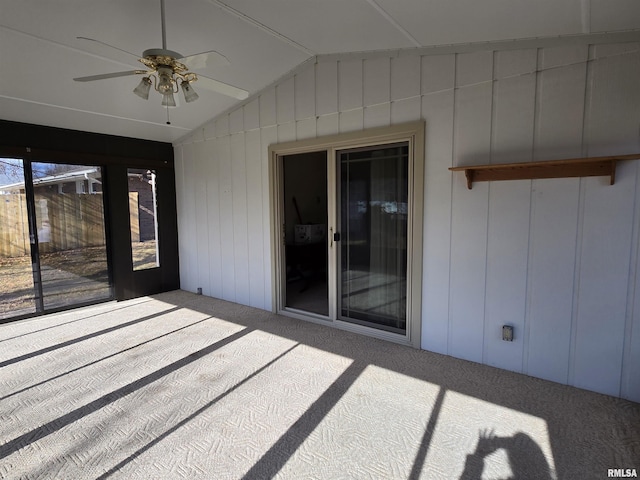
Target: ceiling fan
{"x": 166, "y": 70}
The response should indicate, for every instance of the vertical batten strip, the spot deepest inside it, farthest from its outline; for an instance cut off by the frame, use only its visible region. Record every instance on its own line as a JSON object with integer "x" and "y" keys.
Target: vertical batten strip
{"x": 575, "y": 318}
{"x": 437, "y": 80}
{"x": 492, "y": 129}
{"x": 526, "y": 331}
{"x": 452, "y": 180}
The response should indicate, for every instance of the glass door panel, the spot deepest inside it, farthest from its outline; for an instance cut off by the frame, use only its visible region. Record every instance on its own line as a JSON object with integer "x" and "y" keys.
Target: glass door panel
{"x": 305, "y": 232}
{"x": 373, "y": 201}
{"x": 17, "y": 293}
{"x": 69, "y": 217}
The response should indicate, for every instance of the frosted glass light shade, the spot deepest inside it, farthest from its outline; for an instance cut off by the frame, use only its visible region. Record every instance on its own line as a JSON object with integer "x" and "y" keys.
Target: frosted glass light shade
{"x": 189, "y": 94}
{"x": 142, "y": 90}
{"x": 168, "y": 100}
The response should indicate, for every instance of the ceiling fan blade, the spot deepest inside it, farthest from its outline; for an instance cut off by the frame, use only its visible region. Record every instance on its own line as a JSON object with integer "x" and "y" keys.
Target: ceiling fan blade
{"x": 220, "y": 87}
{"x": 110, "y": 46}
{"x": 91, "y": 78}
{"x": 204, "y": 59}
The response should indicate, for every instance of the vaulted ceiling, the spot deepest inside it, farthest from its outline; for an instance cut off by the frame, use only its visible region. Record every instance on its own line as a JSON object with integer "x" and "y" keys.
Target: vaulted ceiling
{"x": 40, "y": 52}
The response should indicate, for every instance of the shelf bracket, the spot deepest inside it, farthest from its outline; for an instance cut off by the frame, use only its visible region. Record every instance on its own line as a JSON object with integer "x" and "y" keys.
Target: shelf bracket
{"x": 469, "y": 174}
{"x": 613, "y": 172}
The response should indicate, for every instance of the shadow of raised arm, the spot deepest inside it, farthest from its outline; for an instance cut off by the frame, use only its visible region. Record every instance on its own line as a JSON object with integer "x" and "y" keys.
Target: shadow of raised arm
{"x": 526, "y": 460}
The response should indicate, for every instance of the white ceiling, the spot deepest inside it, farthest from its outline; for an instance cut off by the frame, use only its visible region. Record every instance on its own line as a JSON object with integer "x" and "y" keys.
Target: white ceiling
{"x": 263, "y": 39}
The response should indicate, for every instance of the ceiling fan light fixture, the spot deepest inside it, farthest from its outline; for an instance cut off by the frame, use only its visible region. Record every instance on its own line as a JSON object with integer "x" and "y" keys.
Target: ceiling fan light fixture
{"x": 168, "y": 100}
{"x": 143, "y": 88}
{"x": 167, "y": 71}
{"x": 165, "y": 80}
{"x": 189, "y": 93}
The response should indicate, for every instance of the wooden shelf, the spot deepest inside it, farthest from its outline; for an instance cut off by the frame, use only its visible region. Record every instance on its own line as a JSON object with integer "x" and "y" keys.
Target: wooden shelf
{"x": 574, "y": 167}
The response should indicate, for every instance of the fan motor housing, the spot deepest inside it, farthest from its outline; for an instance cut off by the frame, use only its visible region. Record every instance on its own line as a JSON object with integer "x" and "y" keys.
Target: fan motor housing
{"x": 158, "y": 57}
{"x": 161, "y": 52}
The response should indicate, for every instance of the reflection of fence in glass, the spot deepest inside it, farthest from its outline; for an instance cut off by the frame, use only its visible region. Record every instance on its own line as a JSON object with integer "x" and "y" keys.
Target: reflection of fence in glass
{"x": 14, "y": 225}
{"x": 16, "y": 279}
{"x": 64, "y": 222}
{"x": 143, "y": 218}
{"x": 69, "y": 221}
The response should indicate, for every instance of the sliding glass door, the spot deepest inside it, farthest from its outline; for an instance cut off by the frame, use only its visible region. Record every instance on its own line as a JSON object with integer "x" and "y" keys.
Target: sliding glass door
{"x": 17, "y": 290}
{"x": 373, "y": 200}
{"x": 52, "y": 237}
{"x": 365, "y": 252}
{"x": 367, "y": 212}
{"x": 69, "y": 214}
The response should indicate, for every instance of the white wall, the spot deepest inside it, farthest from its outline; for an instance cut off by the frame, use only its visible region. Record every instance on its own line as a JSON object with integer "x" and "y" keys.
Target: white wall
{"x": 558, "y": 259}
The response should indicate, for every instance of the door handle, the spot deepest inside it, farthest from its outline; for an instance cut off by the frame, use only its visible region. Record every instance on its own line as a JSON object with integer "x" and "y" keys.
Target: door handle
{"x": 334, "y": 237}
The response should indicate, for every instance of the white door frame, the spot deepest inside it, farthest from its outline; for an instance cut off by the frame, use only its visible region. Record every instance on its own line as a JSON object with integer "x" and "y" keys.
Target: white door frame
{"x": 414, "y": 134}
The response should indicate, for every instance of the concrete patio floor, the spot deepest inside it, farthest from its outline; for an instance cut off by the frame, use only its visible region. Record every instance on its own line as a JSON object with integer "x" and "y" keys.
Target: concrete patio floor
{"x": 185, "y": 386}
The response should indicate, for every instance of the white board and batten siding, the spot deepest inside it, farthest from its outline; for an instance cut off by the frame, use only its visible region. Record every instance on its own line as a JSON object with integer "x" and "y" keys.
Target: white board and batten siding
{"x": 557, "y": 259}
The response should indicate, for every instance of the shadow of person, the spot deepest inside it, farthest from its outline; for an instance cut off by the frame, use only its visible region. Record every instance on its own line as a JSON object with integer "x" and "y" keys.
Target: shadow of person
{"x": 525, "y": 456}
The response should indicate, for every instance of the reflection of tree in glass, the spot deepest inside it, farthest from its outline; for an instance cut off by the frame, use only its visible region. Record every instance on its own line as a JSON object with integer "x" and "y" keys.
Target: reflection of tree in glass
{"x": 10, "y": 170}
{"x": 525, "y": 457}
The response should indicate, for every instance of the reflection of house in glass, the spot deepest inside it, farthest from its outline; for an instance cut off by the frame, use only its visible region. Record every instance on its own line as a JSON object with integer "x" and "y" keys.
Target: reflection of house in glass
{"x": 83, "y": 180}
{"x": 141, "y": 195}
{"x": 142, "y": 218}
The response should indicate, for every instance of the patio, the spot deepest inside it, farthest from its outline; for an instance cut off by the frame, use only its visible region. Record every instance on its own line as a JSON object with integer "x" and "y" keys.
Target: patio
{"x": 185, "y": 386}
